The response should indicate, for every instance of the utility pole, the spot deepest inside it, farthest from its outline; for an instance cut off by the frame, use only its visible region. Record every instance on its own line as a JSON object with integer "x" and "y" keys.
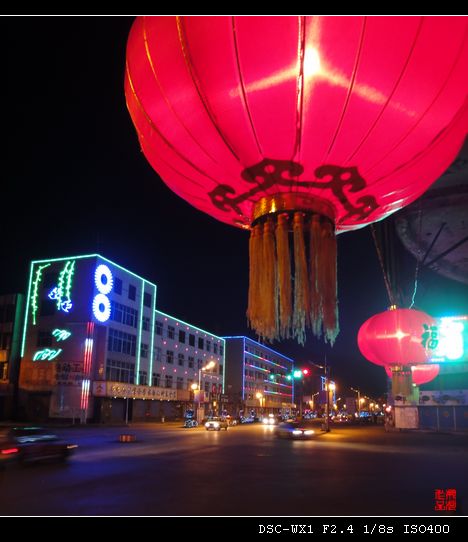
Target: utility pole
{"x": 327, "y": 403}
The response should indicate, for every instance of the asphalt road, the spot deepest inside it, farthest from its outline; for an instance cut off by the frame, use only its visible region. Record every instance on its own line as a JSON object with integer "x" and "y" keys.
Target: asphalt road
{"x": 245, "y": 471}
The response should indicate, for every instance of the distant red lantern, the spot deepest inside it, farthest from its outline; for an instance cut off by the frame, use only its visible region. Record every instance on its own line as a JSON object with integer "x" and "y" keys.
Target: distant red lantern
{"x": 421, "y": 374}
{"x": 310, "y": 125}
{"x": 398, "y": 337}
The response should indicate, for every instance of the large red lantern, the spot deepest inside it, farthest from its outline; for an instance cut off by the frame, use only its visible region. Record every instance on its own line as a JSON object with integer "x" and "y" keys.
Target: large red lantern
{"x": 302, "y": 125}
{"x": 421, "y": 374}
{"x": 398, "y": 337}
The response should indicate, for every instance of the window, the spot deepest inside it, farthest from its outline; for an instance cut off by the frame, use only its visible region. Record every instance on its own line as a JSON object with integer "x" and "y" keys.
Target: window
{"x": 169, "y": 356}
{"x": 44, "y": 338}
{"x": 156, "y": 379}
{"x": 118, "y": 341}
{"x": 180, "y": 383}
{"x": 221, "y": 370}
{"x": 146, "y": 323}
{"x": 168, "y": 381}
{"x": 159, "y": 327}
{"x": 200, "y": 363}
{"x": 191, "y": 339}
{"x": 170, "y": 332}
{"x": 208, "y": 346}
{"x": 215, "y": 348}
{"x": 221, "y": 350}
{"x": 200, "y": 343}
{"x": 191, "y": 362}
{"x": 131, "y": 292}
{"x": 181, "y": 336}
{"x": 120, "y": 371}
{"x": 144, "y": 351}
{"x": 117, "y": 286}
{"x": 157, "y": 353}
{"x": 147, "y": 298}
{"x": 143, "y": 378}
{"x": 181, "y": 359}
{"x": 123, "y": 314}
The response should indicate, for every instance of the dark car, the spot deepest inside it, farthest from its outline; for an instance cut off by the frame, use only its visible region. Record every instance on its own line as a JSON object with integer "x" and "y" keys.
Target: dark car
{"x": 28, "y": 444}
{"x": 293, "y": 430}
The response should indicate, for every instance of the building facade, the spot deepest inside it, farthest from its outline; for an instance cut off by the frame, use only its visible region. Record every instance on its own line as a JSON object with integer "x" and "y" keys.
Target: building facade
{"x": 92, "y": 345}
{"x": 11, "y": 323}
{"x": 257, "y": 378}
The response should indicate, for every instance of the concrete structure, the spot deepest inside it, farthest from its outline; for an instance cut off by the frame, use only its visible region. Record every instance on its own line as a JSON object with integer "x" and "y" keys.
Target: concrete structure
{"x": 94, "y": 346}
{"x": 256, "y": 378}
{"x": 11, "y": 323}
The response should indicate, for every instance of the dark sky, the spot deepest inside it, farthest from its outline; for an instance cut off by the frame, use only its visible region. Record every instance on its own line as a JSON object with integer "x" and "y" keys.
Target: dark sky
{"x": 76, "y": 182}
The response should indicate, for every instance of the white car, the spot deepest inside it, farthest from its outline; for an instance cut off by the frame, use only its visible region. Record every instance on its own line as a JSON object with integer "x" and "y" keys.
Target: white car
{"x": 216, "y": 424}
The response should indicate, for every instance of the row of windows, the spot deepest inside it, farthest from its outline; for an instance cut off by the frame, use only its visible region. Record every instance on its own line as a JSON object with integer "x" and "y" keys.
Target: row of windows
{"x": 117, "y": 288}
{"x": 120, "y": 371}
{"x": 274, "y": 370}
{"x": 266, "y": 355}
{"x": 124, "y": 314}
{"x": 120, "y": 341}
{"x": 181, "y": 335}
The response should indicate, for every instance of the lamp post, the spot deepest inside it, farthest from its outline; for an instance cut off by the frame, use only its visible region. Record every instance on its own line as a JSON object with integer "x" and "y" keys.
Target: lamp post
{"x": 260, "y": 397}
{"x": 207, "y": 367}
{"x": 329, "y": 386}
{"x": 358, "y": 402}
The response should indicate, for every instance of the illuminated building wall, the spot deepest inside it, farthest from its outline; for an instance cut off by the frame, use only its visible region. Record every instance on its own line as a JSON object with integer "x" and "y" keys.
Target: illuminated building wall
{"x": 181, "y": 352}
{"x": 11, "y": 321}
{"x": 86, "y": 319}
{"x": 451, "y": 354}
{"x": 253, "y": 368}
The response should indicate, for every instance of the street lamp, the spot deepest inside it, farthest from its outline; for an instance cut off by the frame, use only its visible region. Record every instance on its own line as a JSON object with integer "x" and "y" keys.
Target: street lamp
{"x": 329, "y": 386}
{"x": 261, "y": 399}
{"x": 207, "y": 367}
{"x": 358, "y": 402}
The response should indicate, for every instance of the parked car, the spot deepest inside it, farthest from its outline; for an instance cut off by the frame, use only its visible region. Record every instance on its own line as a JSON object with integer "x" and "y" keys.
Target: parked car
{"x": 293, "y": 430}
{"x": 216, "y": 424}
{"x": 28, "y": 444}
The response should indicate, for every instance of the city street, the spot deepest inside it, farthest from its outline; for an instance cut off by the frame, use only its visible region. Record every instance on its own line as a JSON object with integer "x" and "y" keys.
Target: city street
{"x": 246, "y": 470}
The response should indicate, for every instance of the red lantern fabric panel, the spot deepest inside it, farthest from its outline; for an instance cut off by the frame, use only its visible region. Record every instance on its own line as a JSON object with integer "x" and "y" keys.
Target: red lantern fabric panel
{"x": 382, "y": 99}
{"x": 397, "y": 337}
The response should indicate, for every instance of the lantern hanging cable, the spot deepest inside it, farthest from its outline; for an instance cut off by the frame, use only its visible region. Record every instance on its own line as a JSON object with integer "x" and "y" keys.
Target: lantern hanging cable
{"x": 378, "y": 248}
{"x": 418, "y": 258}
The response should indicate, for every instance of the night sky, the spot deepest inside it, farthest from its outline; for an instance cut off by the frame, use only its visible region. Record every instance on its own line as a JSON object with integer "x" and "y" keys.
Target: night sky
{"x": 76, "y": 182}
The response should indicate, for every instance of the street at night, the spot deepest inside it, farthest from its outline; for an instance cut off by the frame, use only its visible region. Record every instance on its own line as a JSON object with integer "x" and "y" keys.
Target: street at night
{"x": 244, "y": 471}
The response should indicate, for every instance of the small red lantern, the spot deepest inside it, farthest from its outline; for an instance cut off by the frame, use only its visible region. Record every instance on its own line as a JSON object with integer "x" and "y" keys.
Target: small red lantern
{"x": 421, "y": 374}
{"x": 398, "y": 337}
{"x": 303, "y": 125}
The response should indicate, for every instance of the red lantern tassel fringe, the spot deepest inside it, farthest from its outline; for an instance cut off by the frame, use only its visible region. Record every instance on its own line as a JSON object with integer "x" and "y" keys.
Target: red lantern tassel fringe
{"x": 271, "y": 311}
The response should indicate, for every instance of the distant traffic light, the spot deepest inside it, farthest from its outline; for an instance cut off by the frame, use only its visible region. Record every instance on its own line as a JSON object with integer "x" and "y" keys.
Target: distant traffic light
{"x": 305, "y": 372}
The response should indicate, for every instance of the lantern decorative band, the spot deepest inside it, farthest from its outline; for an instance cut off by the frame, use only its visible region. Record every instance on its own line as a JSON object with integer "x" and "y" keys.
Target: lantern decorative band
{"x": 286, "y": 202}
{"x": 274, "y": 310}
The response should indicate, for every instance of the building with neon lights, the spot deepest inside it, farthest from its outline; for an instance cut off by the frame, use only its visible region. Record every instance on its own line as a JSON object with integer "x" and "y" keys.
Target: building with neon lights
{"x": 11, "y": 324}
{"x": 94, "y": 346}
{"x": 256, "y": 378}
{"x": 443, "y": 402}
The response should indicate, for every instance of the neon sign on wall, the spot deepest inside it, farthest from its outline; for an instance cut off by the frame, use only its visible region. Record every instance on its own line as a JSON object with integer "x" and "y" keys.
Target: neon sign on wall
{"x": 62, "y": 292}
{"x": 46, "y": 354}
{"x": 453, "y": 339}
{"x": 104, "y": 282}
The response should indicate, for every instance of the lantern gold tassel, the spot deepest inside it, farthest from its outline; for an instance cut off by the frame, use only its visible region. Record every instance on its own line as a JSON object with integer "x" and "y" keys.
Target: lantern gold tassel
{"x": 327, "y": 282}
{"x": 284, "y": 276}
{"x": 254, "y": 304}
{"x": 315, "y": 310}
{"x": 269, "y": 327}
{"x": 301, "y": 280}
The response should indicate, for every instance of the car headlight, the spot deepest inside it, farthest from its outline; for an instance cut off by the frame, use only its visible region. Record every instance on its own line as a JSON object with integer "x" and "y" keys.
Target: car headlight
{"x": 271, "y": 421}
{"x": 207, "y": 424}
{"x": 216, "y": 424}
{"x": 297, "y": 432}
{"x": 265, "y": 420}
{"x": 309, "y": 432}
